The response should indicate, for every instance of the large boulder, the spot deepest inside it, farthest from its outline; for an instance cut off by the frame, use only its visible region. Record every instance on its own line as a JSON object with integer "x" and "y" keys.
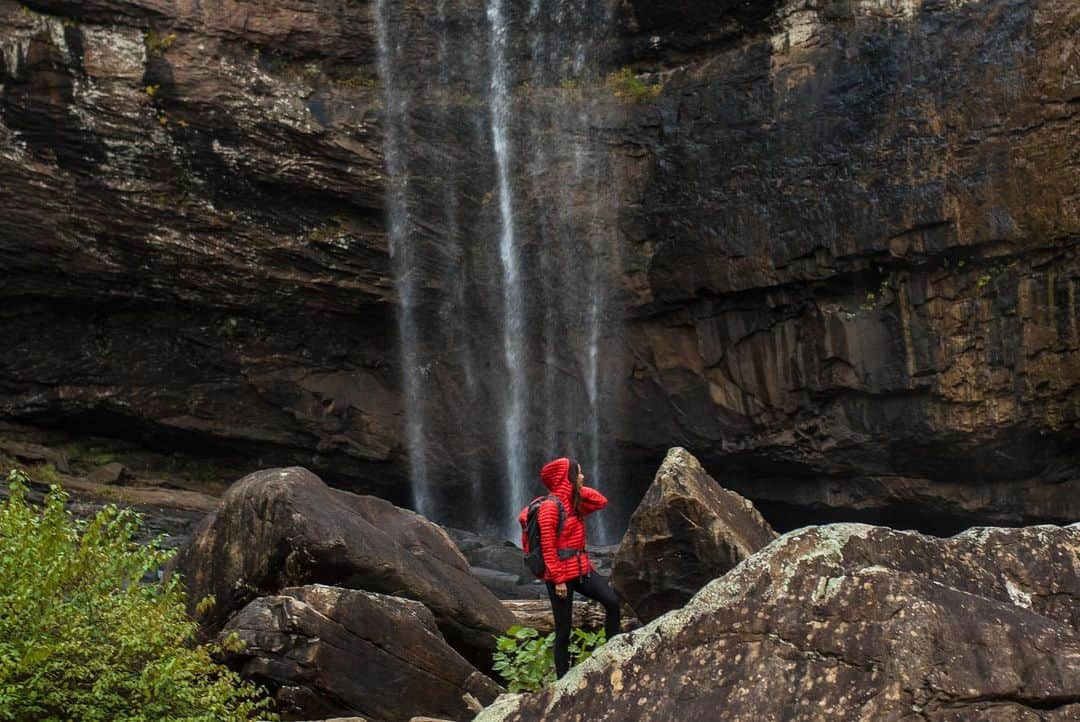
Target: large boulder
{"x": 284, "y": 527}
{"x": 35, "y": 454}
{"x": 686, "y": 531}
{"x": 330, "y": 651}
{"x": 851, "y": 622}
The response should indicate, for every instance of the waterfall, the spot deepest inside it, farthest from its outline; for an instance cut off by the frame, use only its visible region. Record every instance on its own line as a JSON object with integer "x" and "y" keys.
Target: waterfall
{"x": 547, "y": 238}
{"x": 579, "y": 249}
{"x": 455, "y": 281}
{"x": 513, "y": 311}
{"x": 402, "y": 253}
{"x": 500, "y": 213}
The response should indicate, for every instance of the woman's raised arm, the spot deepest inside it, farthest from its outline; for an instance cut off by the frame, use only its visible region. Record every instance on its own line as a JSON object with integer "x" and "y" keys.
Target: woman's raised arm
{"x": 591, "y": 500}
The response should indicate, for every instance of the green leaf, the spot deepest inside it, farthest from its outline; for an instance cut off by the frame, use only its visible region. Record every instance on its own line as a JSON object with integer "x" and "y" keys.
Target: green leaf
{"x": 527, "y": 663}
{"x": 82, "y": 638}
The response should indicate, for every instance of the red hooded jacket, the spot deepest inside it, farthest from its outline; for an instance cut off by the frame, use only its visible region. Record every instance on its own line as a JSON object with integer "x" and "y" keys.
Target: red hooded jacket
{"x": 555, "y": 476}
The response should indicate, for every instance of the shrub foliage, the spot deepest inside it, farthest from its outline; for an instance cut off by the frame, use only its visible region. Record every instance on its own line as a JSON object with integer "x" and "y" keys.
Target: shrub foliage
{"x": 630, "y": 88}
{"x": 82, "y": 638}
{"x": 527, "y": 661}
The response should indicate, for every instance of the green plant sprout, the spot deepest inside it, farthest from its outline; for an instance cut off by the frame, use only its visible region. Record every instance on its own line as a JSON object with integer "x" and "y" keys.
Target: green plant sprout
{"x": 630, "y": 88}
{"x": 526, "y": 661}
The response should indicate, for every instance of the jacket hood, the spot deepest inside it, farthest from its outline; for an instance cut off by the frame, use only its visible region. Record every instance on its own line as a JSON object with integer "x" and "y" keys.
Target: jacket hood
{"x": 555, "y": 475}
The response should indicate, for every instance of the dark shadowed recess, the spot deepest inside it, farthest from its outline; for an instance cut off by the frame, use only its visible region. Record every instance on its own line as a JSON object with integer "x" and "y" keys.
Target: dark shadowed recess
{"x": 949, "y": 482}
{"x": 785, "y": 517}
{"x": 131, "y": 369}
{"x": 701, "y": 16}
{"x": 663, "y": 34}
{"x": 228, "y": 453}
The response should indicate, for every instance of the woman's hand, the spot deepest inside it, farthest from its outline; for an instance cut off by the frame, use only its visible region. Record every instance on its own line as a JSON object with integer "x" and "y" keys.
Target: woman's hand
{"x": 560, "y": 590}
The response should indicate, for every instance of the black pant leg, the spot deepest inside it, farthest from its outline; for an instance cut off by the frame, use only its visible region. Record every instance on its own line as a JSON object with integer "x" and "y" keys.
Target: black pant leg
{"x": 563, "y": 611}
{"x": 595, "y": 586}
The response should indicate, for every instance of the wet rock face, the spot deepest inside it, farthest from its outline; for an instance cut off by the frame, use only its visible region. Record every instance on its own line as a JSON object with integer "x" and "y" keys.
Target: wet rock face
{"x": 199, "y": 236}
{"x": 308, "y": 644}
{"x": 687, "y": 531}
{"x": 845, "y": 307}
{"x": 846, "y": 245}
{"x": 285, "y": 527}
{"x": 852, "y": 622}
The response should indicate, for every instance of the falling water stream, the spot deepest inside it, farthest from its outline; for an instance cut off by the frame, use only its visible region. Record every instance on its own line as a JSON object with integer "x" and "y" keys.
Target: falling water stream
{"x": 402, "y": 251}
{"x": 511, "y": 372}
{"x": 513, "y": 311}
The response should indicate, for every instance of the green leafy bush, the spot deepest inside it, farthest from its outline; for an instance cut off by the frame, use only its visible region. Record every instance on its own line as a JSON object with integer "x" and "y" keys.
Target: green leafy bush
{"x": 81, "y": 638}
{"x": 526, "y": 661}
{"x": 630, "y": 88}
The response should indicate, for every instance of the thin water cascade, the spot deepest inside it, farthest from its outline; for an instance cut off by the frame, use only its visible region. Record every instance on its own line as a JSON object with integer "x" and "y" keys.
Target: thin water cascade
{"x": 513, "y": 312}
{"x": 402, "y": 253}
{"x": 454, "y": 281}
{"x": 499, "y": 223}
{"x": 586, "y": 230}
{"x": 547, "y": 235}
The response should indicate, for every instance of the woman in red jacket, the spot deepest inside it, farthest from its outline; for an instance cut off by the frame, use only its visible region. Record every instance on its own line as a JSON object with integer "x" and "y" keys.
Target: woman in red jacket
{"x": 568, "y": 567}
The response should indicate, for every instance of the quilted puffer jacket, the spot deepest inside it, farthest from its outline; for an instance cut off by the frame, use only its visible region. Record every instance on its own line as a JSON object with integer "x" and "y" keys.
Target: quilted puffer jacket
{"x": 565, "y": 556}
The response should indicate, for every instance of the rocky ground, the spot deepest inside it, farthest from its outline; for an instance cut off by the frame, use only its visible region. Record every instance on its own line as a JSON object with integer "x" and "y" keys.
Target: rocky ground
{"x": 846, "y": 621}
{"x": 841, "y": 621}
{"x": 171, "y": 492}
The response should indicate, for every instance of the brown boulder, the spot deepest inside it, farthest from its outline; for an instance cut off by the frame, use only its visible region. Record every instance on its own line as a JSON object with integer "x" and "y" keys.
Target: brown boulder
{"x": 112, "y": 473}
{"x": 686, "y": 531}
{"x": 284, "y": 527}
{"x": 331, "y": 651}
{"x": 851, "y": 622}
{"x": 35, "y": 453}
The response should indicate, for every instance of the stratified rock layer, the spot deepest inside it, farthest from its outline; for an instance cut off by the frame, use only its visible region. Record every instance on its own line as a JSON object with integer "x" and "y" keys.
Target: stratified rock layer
{"x": 284, "y": 527}
{"x": 687, "y": 531}
{"x": 859, "y": 247}
{"x": 331, "y": 651}
{"x": 846, "y": 235}
{"x": 851, "y": 622}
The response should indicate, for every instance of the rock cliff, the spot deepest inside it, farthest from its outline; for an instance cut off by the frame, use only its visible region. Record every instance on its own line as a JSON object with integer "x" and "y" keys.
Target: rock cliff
{"x": 846, "y": 267}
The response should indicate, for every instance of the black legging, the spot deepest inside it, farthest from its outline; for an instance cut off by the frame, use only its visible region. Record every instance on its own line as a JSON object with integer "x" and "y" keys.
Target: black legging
{"x": 593, "y": 586}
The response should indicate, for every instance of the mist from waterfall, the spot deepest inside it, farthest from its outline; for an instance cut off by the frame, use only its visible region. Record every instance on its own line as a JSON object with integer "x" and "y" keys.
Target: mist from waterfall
{"x": 513, "y": 313}
{"x": 565, "y": 52}
{"x": 402, "y": 250}
{"x": 501, "y": 215}
{"x": 454, "y": 280}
